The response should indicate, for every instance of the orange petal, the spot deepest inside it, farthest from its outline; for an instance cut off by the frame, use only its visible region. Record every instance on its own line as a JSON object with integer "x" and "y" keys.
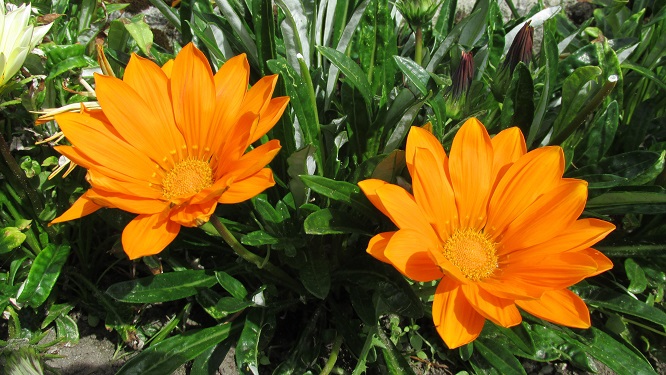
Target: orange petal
{"x": 240, "y": 191}
{"x": 257, "y": 99}
{"x": 134, "y": 119}
{"x": 93, "y": 139}
{"x": 148, "y": 235}
{"x": 231, "y": 82}
{"x": 129, "y": 203}
{"x": 235, "y": 143}
{"x": 369, "y": 188}
{"x": 470, "y": 166}
{"x": 552, "y": 272}
{"x": 560, "y": 307}
{"x": 76, "y": 156}
{"x": 433, "y": 193}
{"x": 404, "y": 212}
{"x": 253, "y": 161}
{"x": 152, "y": 85}
{"x": 193, "y": 96}
{"x": 500, "y": 311}
{"x": 421, "y": 138}
{"x": 378, "y": 244}
{"x": 167, "y": 68}
{"x": 578, "y": 236}
{"x": 508, "y": 146}
{"x": 511, "y": 288}
{"x": 532, "y": 175}
{"x": 455, "y": 319}
{"x": 82, "y": 207}
{"x": 232, "y": 78}
{"x": 192, "y": 215}
{"x": 549, "y": 215}
{"x": 410, "y": 255}
{"x": 269, "y": 117}
{"x": 603, "y": 263}
{"x": 100, "y": 181}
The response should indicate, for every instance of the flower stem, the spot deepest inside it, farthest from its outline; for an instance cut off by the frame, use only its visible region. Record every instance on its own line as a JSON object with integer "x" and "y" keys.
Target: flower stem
{"x": 249, "y": 256}
{"x": 418, "y": 49}
{"x": 333, "y": 357}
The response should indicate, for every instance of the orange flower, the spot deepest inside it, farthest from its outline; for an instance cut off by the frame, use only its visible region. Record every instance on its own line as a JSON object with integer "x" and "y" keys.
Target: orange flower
{"x": 498, "y": 227}
{"x": 169, "y": 144}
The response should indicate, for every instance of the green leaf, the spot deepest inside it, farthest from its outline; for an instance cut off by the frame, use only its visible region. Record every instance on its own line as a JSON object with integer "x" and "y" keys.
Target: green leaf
{"x": 518, "y": 107}
{"x": 576, "y": 91}
{"x": 476, "y": 27}
{"x": 86, "y": 13}
{"x": 376, "y": 45}
{"x": 166, "y": 356}
{"x": 209, "y": 361}
{"x": 616, "y": 356}
{"x": 331, "y": 221}
{"x": 353, "y": 73}
{"x": 141, "y": 33}
{"x": 343, "y": 44}
{"x": 247, "y": 347}
{"x": 402, "y": 127}
{"x": 258, "y": 238}
{"x": 56, "y": 311}
{"x": 67, "y": 330}
{"x": 651, "y": 77}
{"x": 636, "y": 167}
{"x": 316, "y": 274}
{"x": 602, "y": 133}
{"x": 636, "y": 275}
{"x": 231, "y": 285}
{"x": 416, "y": 74}
{"x": 499, "y": 358}
{"x": 611, "y": 300}
{"x": 43, "y": 275}
{"x": 300, "y": 95}
{"x": 550, "y": 56}
{"x": 395, "y": 292}
{"x": 340, "y": 191}
{"x": 394, "y": 359}
{"x": 10, "y": 239}
{"x": 624, "y": 202}
{"x": 161, "y": 288}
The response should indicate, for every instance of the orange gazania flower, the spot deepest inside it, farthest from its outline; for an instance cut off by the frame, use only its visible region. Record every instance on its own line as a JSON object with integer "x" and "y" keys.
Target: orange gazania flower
{"x": 496, "y": 225}
{"x": 169, "y": 144}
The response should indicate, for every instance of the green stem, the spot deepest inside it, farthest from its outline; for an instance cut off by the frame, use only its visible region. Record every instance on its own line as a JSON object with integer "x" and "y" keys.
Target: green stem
{"x": 334, "y": 355}
{"x": 582, "y": 114}
{"x": 512, "y": 7}
{"x": 418, "y": 49}
{"x": 246, "y": 254}
{"x": 643, "y": 326}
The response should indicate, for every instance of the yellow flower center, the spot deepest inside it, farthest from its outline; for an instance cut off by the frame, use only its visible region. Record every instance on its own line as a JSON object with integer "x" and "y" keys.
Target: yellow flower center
{"x": 472, "y": 252}
{"x": 188, "y": 177}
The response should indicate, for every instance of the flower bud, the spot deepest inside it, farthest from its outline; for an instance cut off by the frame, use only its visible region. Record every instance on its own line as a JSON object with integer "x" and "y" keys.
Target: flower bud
{"x": 461, "y": 82}
{"x": 520, "y": 51}
{"x": 418, "y": 12}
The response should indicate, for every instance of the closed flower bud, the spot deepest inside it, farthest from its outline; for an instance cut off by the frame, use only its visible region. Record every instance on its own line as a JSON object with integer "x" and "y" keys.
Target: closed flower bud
{"x": 461, "y": 82}
{"x": 418, "y": 12}
{"x": 520, "y": 51}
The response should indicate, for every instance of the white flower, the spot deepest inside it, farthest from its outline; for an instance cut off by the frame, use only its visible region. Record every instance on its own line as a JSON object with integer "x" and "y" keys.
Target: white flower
{"x": 17, "y": 38}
